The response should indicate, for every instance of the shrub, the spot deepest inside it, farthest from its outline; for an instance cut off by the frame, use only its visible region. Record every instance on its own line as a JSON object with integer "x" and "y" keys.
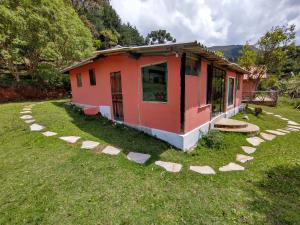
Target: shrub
{"x": 213, "y": 139}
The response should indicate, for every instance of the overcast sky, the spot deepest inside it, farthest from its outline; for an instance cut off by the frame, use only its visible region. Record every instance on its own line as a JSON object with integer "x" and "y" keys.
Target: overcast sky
{"x": 211, "y": 22}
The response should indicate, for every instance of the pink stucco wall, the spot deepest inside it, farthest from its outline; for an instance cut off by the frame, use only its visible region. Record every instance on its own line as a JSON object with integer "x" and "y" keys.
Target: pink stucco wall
{"x": 164, "y": 116}
{"x": 196, "y": 110}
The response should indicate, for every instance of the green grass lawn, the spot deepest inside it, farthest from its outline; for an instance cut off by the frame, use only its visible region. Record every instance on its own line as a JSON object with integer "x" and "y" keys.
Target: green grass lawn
{"x": 46, "y": 181}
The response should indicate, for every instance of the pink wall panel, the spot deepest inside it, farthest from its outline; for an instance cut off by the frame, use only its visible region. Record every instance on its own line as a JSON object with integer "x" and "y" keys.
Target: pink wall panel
{"x": 165, "y": 116}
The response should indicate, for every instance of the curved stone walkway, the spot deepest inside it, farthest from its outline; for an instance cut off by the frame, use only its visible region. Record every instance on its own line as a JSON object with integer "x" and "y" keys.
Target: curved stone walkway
{"x": 141, "y": 158}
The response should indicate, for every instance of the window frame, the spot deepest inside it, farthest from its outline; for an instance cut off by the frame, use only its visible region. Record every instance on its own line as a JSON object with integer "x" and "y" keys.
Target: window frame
{"x": 233, "y": 92}
{"x": 94, "y": 77}
{"x": 79, "y": 80}
{"x": 197, "y": 60}
{"x": 167, "y": 82}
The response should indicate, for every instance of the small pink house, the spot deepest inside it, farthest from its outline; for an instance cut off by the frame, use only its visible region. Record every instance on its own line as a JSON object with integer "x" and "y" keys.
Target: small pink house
{"x": 174, "y": 92}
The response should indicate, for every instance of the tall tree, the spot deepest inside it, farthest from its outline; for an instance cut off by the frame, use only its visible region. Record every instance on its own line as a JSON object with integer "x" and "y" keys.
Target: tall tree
{"x": 159, "y": 37}
{"x": 38, "y": 32}
{"x": 274, "y": 47}
{"x": 248, "y": 57}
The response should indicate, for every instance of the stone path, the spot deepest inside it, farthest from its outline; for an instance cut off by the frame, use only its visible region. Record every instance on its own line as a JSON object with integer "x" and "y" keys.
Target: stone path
{"x": 26, "y": 117}
{"x": 36, "y": 127}
{"x": 231, "y": 167}
{"x": 248, "y": 150}
{"x": 49, "y": 133}
{"x": 206, "y": 170}
{"x": 89, "y": 144}
{"x": 141, "y": 158}
{"x": 255, "y": 141}
{"x": 70, "y": 139}
{"x": 137, "y": 157}
{"x": 110, "y": 150}
{"x": 243, "y": 158}
{"x": 267, "y": 137}
{"x": 169, "y": 166}
{"x": 276, "y": 132}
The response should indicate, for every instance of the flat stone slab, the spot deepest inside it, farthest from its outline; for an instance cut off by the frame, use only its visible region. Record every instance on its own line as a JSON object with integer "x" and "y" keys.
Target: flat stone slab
{"x": 231, "y": 167}
{"x": 25, "y": 112}
{"x": 269, "y": 113}
{"x": 111, "y": 150}
{"x": 290, "y": 122}
{"x": 49, "y": 133}
{"x": 294, "y": 127}
{"x": 139, "y": 158}
{"x": 243, "y": 158}
{"x": 278, "y": 116}
{"x": 255, "y": 141}
{"x": 89, "y": 144}
{"x": 276, "y": 132}
{"x": 26, "y": 117}
{"x": 206, "y": 170}
{"x": 29, "y": 121}
{"x": 70, "y": 139}
{"x": 169, "y": 166}
{"x": 36, "y": 127}
{"x": 268, "y": 137}
{"x": 286, "y": 119}
{"x": 248, "y": 150}
{"x": 291, "y": 129}
{"x": 282, "y": 130}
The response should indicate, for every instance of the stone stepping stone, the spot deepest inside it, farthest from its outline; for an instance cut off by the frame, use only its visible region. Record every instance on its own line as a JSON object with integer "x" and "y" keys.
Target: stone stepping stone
{"x": 269, "y": 113}
{"x": 268, "y": 137}
{"x": 255, "y": 141}
{"x": 292, "y": 123}
{"x": 169, "y": 166}
{"x": 284, "y": 131}
{"x": 36, "y": 127}
{"x": 286, "y": 119}
{"x": 139, "y": 158}
{"x": 278, "y": 116}
{"x": 49, "y": 133}
{"x": 231, "y": 167}
{"x": 25, "y": 112}
{"x": 291, "y": 129}
{"x": 294, "y": 127}
{"x": 89, "y": 144}
{"x": 243, "y": 158}
{"x": 26, "y": 109}
{"x": 70, "y": 139}
{"x": 276, "y": 132}
{"x": 26, "y": 117}
{"x": 248, "y": 150}
{"x": 29, "y": 121}
{"x": 110, "y": 150}
{"x": 206, "y": 170}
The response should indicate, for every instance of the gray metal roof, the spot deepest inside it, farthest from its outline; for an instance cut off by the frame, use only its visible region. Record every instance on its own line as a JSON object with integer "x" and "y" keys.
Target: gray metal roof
{"x": 161, "y": 49}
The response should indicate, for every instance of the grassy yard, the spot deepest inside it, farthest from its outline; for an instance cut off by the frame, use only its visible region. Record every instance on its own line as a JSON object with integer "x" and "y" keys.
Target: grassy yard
{"x": 46, "y": 181}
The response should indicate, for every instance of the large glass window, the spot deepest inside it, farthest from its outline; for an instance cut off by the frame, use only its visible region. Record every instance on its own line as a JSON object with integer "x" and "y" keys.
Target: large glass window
{"x": 230, "y": 91}
{"x": 192, "y": 66}
{"x": 154, "y": 81}
{"x": 79, "y": 80}
{"x": 92, "y": 77}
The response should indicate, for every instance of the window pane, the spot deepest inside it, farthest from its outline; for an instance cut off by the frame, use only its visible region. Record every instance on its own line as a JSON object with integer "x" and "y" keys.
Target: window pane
{"x": 192, "y": 67}
{"x": 230, "y": 91}
{"x": 79, "y": 81}
{"x": 154, "y": 79}
{"x": 92, "y": 77}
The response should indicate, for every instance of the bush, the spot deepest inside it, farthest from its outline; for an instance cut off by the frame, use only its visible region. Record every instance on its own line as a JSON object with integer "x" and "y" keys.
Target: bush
{"x": 213, "y": 139}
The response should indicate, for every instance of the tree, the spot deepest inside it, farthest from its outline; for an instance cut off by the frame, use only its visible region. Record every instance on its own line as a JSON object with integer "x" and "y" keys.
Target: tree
{"x": 219, "y": 53}
{"x": 248, "y": 57}
{"x": 159, "y": 37}
{"x": 41, "y": 32}
{"x": 130, "y": 36}
{"x": 274, "y": 47}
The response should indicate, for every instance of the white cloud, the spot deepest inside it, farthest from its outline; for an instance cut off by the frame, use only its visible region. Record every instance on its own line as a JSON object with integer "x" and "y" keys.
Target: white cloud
{"x": 212, "y": 22}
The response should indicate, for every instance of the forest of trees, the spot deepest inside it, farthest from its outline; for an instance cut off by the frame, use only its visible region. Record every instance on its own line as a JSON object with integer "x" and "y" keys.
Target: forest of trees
{"x": 38, "y": 38}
